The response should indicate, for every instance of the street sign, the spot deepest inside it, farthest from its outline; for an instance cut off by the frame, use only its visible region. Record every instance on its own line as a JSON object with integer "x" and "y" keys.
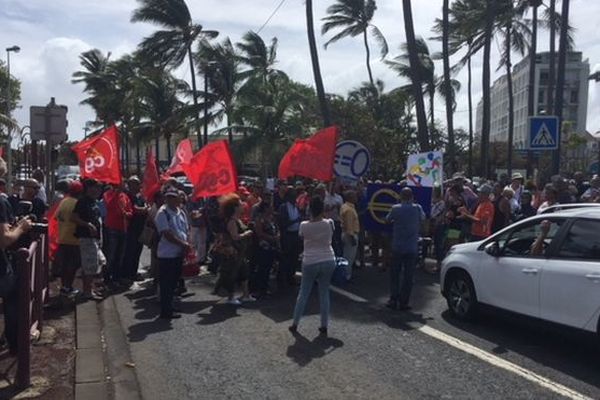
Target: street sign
{"x": 48, "y": 123}
{"x": 543, "y": 133}
{"x": 352, "y": 160}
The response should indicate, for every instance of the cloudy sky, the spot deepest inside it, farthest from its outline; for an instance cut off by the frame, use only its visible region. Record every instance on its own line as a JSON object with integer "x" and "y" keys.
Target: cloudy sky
{"x": 52, "y": 34}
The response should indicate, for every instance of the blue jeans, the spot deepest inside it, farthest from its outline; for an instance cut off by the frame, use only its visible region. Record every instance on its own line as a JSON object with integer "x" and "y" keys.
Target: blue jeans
{"x": 116, "y": 241}
{"x": 401, "y": 277}
{"x": 321, "y": 273}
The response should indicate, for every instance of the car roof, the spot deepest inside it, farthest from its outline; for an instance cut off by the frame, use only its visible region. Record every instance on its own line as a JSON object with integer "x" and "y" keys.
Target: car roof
{"x": 581, "y": 212}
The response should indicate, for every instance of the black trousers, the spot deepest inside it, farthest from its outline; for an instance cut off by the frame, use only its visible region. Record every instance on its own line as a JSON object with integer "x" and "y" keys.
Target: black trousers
{"x": 290, "y": 258}
{"x": 133, "y": 251}
{"x": 168, "y": 275}
{"x": 10, "y": 303}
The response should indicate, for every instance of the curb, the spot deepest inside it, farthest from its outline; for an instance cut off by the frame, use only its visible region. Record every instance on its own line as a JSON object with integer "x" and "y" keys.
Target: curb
{"x": 102, "y": 355}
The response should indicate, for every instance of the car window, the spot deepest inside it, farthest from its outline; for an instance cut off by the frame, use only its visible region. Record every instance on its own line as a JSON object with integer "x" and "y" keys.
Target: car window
{"x": 518, "y": 242}
{"x": 582, "y": 242}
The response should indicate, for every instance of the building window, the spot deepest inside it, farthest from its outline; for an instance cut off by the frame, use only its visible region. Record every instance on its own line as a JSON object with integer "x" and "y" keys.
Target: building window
{"x": 544, "y": 78}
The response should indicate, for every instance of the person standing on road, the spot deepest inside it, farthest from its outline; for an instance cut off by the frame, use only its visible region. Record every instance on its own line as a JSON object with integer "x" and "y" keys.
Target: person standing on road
{"x": 318, "y": 263}
{"x": 289, "y": 224}
{"x": 172, "y": 226}
{"x": 483, "y": 217}
{"x": 86, "y": 215}
{"x": 350, "y": 229}
{"x": 118, "y": 213}
{"x": 407, "y": 219}
{"x": 133, "y": 246}
{"x": 68, "y": 256}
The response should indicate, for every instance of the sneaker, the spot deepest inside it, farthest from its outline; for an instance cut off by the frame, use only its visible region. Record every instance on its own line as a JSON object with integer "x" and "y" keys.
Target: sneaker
{"x": 293, "y": 328}
{"x": 323, "y": 331}
{"x": 92, "y": 296}
{"x": 249, "y": 299}
{"x": 70, "y": 292}
{"x": 234, "y": 302}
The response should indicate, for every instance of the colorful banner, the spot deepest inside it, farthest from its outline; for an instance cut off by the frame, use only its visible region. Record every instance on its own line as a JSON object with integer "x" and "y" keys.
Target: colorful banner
{"x": 381, "y": 198}
{"x": 425, "y": 169}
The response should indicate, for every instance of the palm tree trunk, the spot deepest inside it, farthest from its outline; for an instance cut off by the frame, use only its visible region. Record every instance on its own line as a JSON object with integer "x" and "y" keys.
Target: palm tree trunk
{"x": 195, "y": 96}
{"x": 432, "y": 104}
{"x": 560, "y": 78}
{"x": 168, "y": 139}
{"x": 448, "y": 88}
{"x": 511, "y": 102}
{"x": 552, "y": 63}
{"x": 484, "y": 166}
{"x": 470, "y": 99}
{"x": 157, "y": 148}
{"x": 314, "y": 55}
{"x": 422, "y": 133}
{"x": 531, "y": 108}
{"x": 229, "y": 131}
{"x": 368, "y": 51}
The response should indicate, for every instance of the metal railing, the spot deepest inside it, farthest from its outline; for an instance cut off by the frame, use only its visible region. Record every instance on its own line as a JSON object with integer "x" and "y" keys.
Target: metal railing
{"x": 32, "y": 267}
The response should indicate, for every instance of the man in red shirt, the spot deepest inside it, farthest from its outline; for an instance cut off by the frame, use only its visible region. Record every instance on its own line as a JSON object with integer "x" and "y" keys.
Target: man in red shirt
{"x": 483, "y": 217}
{"x": 119, "y": 211}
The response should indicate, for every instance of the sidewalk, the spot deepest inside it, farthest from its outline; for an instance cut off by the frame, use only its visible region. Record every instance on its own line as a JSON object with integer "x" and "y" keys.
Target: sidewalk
{"x": 104, "y": 370}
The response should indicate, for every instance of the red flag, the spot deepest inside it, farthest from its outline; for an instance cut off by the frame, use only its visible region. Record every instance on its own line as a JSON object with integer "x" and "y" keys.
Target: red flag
{"x": 311, "y": 158}
{"x": 99, "y": 157}
{"x": 183, "y": 155}
{"x": 52, "y": 231}
{"x": 151, "y": 183}
{"x": 212, "y": 170}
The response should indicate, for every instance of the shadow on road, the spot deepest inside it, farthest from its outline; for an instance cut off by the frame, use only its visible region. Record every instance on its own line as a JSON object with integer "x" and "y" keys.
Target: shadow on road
{"x": 303, "y": 351}
{"x": 142, "y": 330}
{"x": 572, "y": 352}
{"x": 218, "y": 313}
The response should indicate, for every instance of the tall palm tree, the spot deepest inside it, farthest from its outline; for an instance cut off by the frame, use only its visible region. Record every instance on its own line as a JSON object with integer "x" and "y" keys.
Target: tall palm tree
{"x": 560, "y": 79}
{"x": 97, "y": 84}
{"x": 490, "y": 14}
{"x": 259, "y": 58}
{"x": 175, "y": 42}
{"x": 422, "y": 134}
{"x": 447, "y": 87}
{"x": 353, "y": 18}
{"x": 314, "y": 56}
{"x": 515, "y": 35}
{"x": 224, "y": 78}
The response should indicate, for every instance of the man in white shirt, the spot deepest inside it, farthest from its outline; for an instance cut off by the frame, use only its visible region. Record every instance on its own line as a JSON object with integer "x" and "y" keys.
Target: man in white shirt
{"x": 172, "y": 226}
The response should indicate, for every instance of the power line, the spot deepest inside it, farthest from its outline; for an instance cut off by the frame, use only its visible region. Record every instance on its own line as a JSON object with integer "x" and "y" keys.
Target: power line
{"x": 271, "y": 16}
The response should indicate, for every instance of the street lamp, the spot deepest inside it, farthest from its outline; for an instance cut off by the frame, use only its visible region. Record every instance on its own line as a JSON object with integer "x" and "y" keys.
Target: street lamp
{"x": 13, "y": 49}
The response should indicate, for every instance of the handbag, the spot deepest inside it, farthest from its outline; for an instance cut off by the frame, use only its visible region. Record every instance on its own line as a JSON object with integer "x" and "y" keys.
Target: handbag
{"x": 340, "y": 273}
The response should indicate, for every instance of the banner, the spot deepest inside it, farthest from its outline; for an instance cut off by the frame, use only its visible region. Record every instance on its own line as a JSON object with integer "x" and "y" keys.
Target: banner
{"x": 151, "y": 183}
{"x": 380, "y": 199}
{"x": 425, "y": 169}
{"x": 183, "y": 155}
{"x": 212, "y": 171}
{"x": 311, "y": 158}
{"x": 99, "y": 157}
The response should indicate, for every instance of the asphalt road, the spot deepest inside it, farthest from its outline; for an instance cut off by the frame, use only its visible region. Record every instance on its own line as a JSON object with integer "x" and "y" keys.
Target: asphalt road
{"x": 217, "y": 351}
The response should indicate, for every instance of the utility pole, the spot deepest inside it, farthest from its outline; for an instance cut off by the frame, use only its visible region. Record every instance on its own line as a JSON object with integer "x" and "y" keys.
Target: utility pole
{"x": 13, "y": 49}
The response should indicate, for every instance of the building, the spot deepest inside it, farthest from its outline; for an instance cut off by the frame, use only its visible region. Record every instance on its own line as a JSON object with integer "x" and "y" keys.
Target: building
{"x": 575, "y": 98}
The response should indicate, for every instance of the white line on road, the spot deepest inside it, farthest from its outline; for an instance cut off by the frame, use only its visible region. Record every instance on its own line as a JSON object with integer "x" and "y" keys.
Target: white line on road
{"x": 485, "y": 356}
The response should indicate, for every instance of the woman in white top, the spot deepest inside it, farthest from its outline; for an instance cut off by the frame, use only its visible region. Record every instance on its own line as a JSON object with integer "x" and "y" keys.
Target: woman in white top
{"x": 318, "y": 263}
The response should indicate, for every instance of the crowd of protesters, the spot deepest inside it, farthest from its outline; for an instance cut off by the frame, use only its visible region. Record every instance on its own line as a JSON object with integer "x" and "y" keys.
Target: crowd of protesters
{"x": 247, "y": 237}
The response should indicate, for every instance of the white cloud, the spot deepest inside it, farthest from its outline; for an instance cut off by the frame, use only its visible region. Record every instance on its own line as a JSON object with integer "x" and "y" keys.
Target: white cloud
{"x": 53, "y": 34}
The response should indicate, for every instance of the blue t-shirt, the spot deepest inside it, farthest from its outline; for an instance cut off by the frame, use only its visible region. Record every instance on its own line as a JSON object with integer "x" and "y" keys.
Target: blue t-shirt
{"x": 407, "y": 219}
{"x": 176, "y": 222}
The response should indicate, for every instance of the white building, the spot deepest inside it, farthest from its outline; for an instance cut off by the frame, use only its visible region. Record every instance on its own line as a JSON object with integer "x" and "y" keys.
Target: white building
{"x": 575, "y": 98}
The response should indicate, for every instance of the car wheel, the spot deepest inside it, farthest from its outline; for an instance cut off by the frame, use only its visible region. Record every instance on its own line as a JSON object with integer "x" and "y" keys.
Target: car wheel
{"x": 461, "y": 297}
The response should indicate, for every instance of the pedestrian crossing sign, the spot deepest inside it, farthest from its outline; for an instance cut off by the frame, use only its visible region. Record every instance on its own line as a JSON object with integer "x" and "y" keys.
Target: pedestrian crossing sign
{"x": 543, "y": 133}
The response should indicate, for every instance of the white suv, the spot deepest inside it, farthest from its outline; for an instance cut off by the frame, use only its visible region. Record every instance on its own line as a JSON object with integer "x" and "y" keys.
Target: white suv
{"x": 562, "y": 284}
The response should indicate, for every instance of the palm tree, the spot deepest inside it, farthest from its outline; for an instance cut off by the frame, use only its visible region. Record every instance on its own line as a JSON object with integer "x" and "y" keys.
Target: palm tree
{"x": 490, "y": 14}
{"x": 314, "y": 56}
{"x": 175, "y": 42}
{"x": 98, "y": 85}
{"x": 447, "y": 88}
{"x": 515, "y": 35}
{"x": 354, "y": 18}
{"x": 560, "y": 80}
{"x": 221, "y": 65}
{"x": 259, "y": 58}
{"x": 422, "y": 134}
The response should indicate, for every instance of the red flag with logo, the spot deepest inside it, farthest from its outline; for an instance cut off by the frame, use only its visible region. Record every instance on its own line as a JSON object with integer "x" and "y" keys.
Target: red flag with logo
{"x": 212, "y": 170}
{"x": 99, "y": 157}
{"x": 183, "y": 155}
{"x": 311, "y": 158}
{"x": 151, "y": 183}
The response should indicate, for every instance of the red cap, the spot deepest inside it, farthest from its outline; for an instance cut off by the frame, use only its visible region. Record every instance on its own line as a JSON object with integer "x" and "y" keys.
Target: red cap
{"x": 75, "y": 188}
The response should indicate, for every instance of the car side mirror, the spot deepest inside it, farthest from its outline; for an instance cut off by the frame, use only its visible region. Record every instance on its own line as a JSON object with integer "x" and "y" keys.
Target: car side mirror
{"x": 492, "y": 249}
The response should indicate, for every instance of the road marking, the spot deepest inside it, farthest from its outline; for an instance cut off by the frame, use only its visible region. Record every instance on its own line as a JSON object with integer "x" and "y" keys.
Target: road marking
{"x": 485, "y": 356}
{"x": 349, "y": 295}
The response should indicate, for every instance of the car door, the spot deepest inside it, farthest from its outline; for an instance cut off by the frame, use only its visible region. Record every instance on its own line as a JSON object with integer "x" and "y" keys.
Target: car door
{"x": 570, "y": 279}
{"x": 511, "y": 280}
